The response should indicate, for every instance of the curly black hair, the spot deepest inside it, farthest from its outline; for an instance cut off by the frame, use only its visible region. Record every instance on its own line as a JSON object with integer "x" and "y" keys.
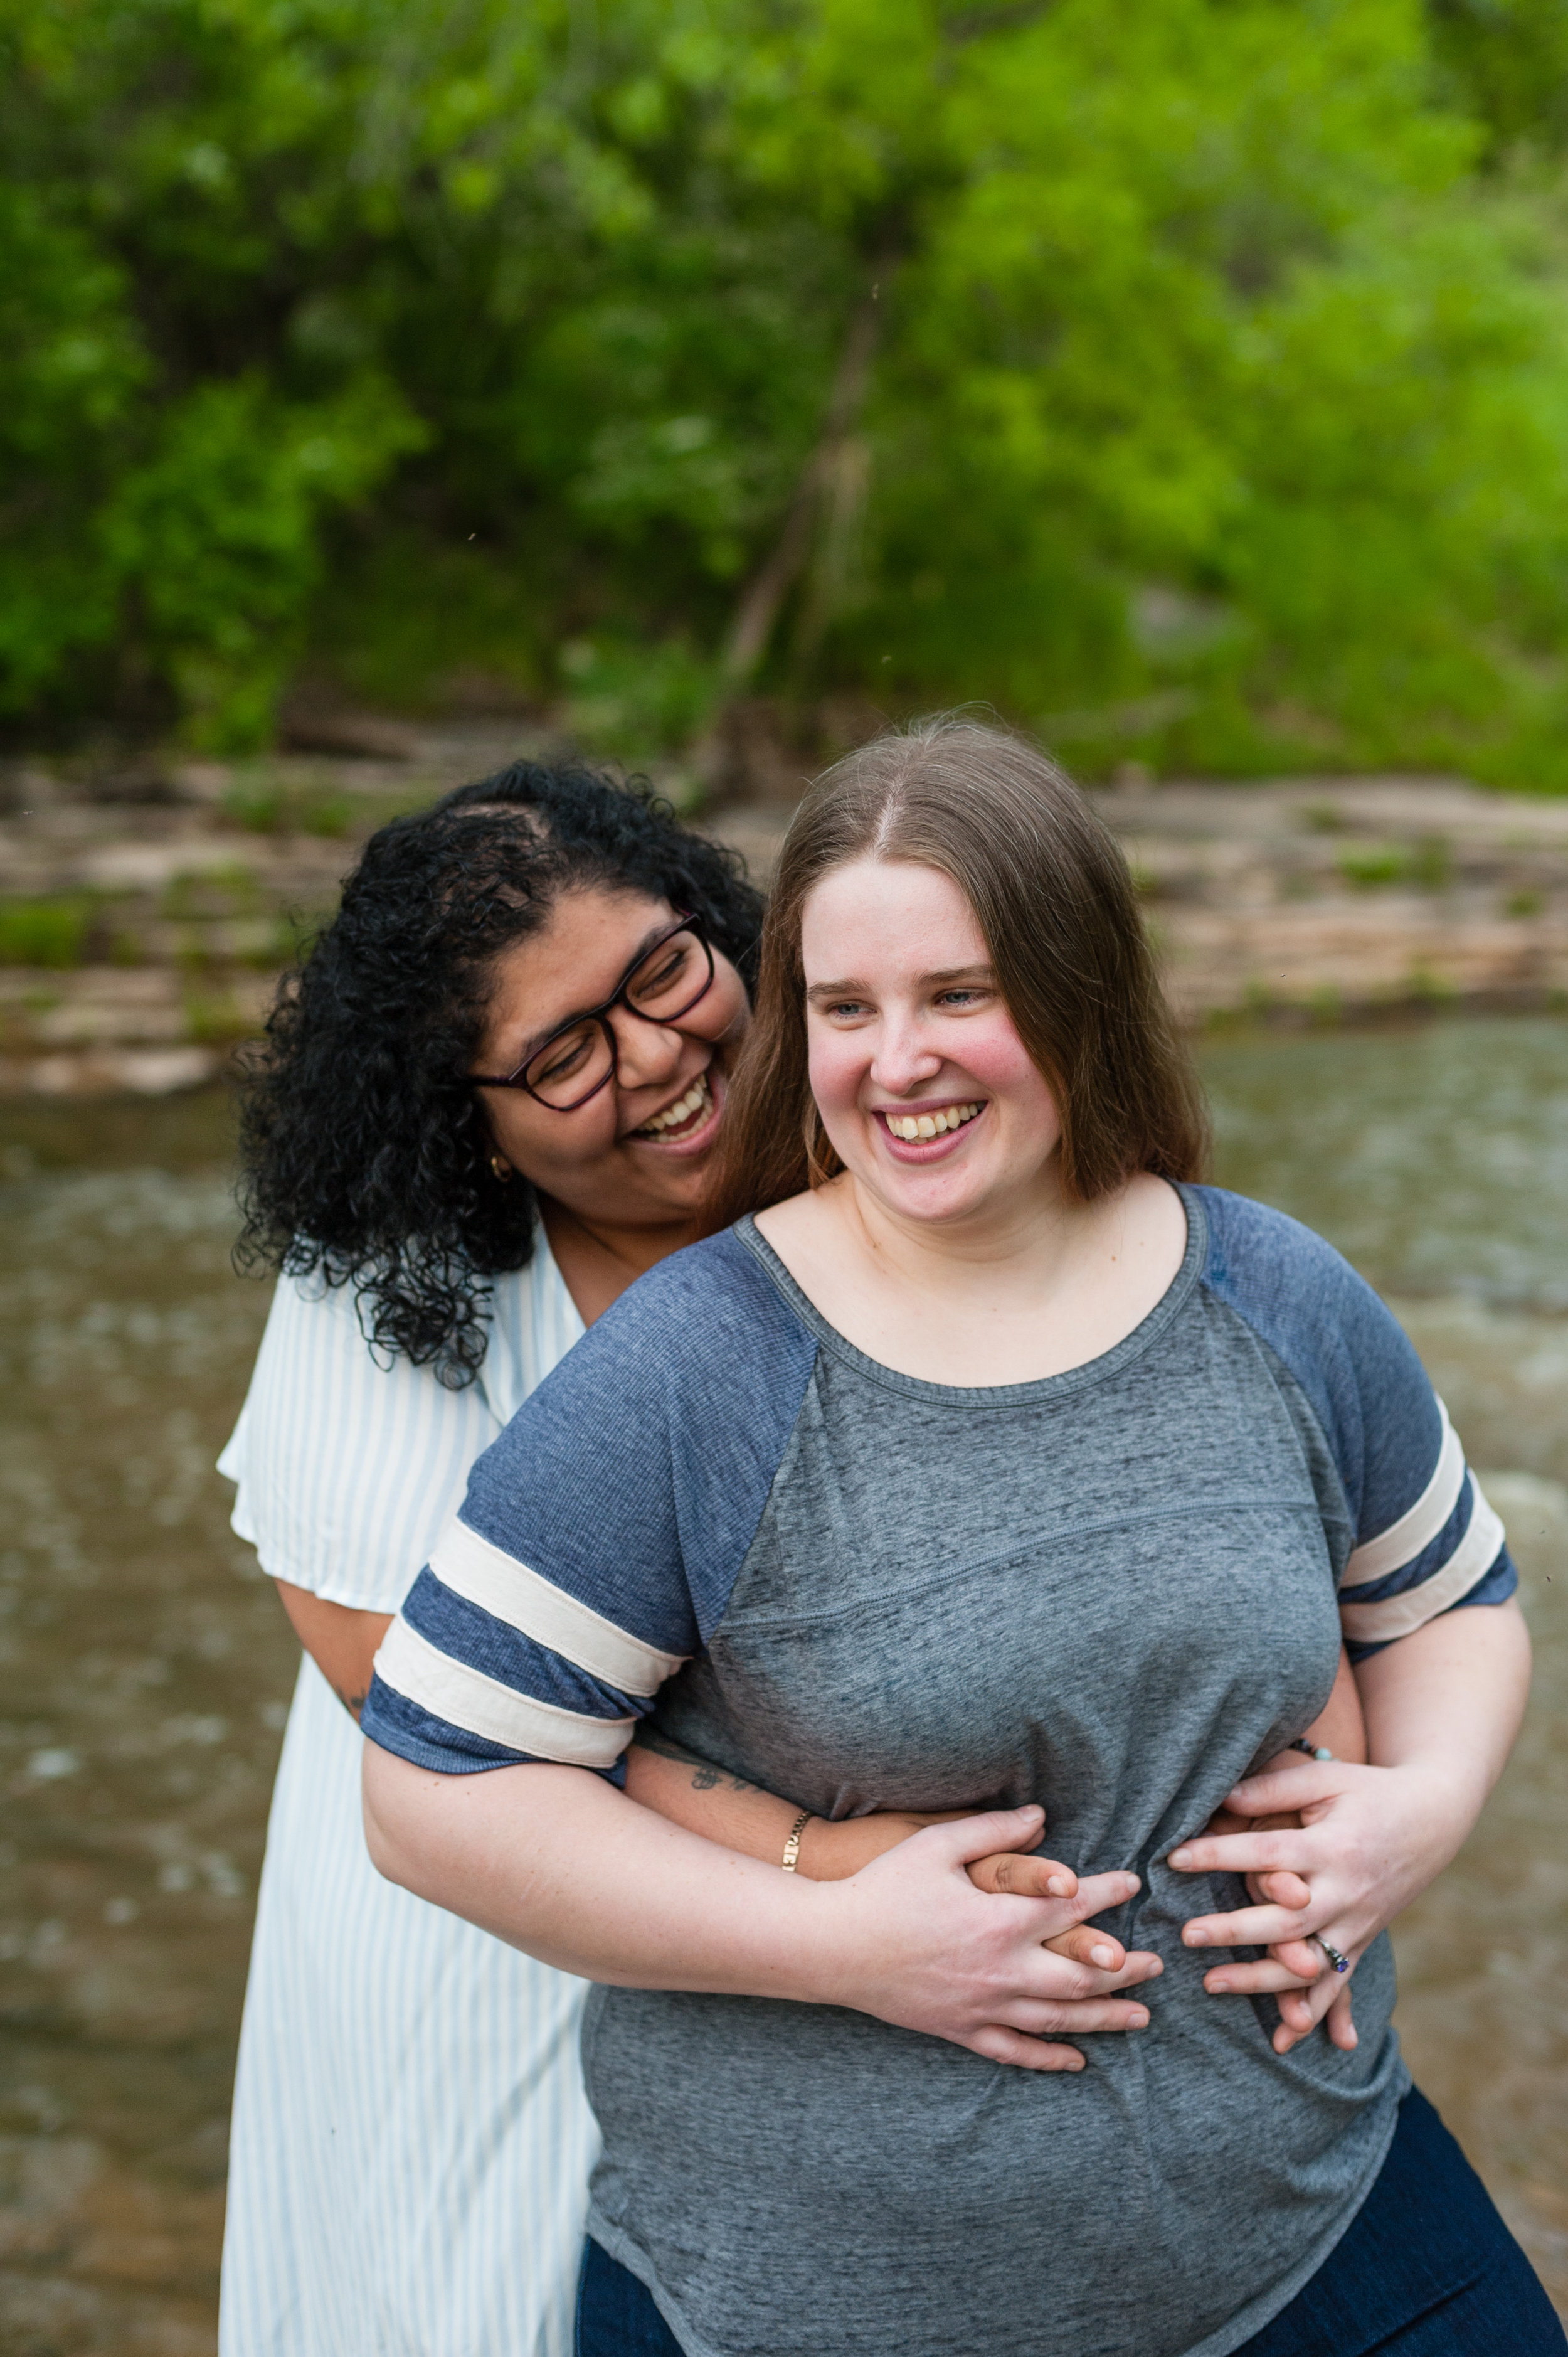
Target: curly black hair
{"x": 364, "y": 1152}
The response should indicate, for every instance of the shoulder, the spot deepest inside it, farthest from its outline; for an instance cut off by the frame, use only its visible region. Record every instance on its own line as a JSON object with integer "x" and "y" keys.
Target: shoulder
{"x": 633, "y": 1480}
{"x": 1291, "y": 1285}
{"x": 691, "y": 1383}
{"x": 315, "y": 1335}
{"x": 691, "y": 1328}
{"x": 1341, "y": 1344}
{"x": 1265, "y": 1255}
{"x": 720, "y": 1274}
{"x": 317, "y": 1356}
{"x": 328, "y": 1413}
{"x": 315, "y": 1323}
{"x": 347, "y": 1460}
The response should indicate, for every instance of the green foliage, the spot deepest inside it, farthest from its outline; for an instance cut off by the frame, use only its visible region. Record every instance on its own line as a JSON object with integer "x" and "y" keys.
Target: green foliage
{"x": 44, "y": 932}
{"x": 1507, "y": 61}
{"x": 627, "y": 697}
{"x": 1190, "y": 380}
{"x": 265, "y": 805}
{"x": 1428, "y": 865}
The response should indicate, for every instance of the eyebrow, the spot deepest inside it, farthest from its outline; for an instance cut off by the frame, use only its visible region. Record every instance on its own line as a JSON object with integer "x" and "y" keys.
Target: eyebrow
{"x": 820, "y": 990}
{"x": 531, "y": 1047}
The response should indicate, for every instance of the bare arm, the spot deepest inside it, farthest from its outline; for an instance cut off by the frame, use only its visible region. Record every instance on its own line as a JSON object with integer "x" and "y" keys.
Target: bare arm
{"x": 340, "y": 1641}
{"x": 1341, "y": 1725}
{"x": 690, "y": 1790}
{"x": 708, "y": 1800}
{"x": 558, "y": 1862}
{"x": 722, "y": 1808}
{"x": 1442, "y": 1708}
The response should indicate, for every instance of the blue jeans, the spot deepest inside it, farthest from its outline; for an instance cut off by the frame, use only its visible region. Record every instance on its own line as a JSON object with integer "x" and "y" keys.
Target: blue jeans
{"x": 615, "y": 2316}
{"x": 1426, "y": 2268}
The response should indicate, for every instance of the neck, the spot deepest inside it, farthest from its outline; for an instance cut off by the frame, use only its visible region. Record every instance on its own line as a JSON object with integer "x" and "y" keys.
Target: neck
{"x": 599, "y": 1258}
{"x": 1034, "y": 1238}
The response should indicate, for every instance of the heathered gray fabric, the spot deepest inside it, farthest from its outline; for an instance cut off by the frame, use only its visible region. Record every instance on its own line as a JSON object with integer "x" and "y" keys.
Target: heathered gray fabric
{"x": 1111, "y": 1591}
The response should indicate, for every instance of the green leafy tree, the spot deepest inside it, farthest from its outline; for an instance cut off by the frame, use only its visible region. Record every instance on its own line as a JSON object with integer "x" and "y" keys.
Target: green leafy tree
{"x": 1189, "y": 380}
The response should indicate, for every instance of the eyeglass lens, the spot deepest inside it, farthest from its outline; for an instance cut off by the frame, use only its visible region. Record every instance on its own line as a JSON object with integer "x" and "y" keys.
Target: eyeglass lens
{"x": 666, "y": 985}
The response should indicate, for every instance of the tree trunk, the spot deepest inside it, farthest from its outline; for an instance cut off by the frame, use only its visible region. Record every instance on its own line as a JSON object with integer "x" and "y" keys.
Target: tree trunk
{"x": 757, "y": 613}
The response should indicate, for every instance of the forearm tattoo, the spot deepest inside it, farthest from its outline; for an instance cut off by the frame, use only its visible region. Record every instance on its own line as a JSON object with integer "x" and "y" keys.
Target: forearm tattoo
{"x": 705, "y": 1776}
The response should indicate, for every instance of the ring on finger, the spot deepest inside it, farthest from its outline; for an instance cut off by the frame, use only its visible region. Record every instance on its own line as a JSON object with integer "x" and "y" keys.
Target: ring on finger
{"x": 1340, "y": 1962}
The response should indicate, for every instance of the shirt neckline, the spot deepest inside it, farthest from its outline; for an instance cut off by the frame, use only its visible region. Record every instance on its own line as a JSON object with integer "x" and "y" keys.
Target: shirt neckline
{"x": 991, "y": 1395}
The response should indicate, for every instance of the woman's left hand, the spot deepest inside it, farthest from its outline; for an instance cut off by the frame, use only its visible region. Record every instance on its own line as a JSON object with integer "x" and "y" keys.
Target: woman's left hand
{"x": 1354, "y": 1846}
{"x": 1296, "y": 1973}
{"x": 1443, "y": 1706}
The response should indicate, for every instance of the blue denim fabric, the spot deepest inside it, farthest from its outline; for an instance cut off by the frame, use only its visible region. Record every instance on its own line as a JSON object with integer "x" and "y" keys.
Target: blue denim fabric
{"x": 1428, "y": 2269}
{"x": 615, "y": 2316}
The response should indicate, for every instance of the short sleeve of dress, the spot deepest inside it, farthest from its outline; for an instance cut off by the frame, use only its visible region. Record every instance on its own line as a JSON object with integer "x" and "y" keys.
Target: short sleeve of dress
{"x": 601, "y": 1534}
{"x": 1425, "y": 1538}
{"x": 345, "y": 1469}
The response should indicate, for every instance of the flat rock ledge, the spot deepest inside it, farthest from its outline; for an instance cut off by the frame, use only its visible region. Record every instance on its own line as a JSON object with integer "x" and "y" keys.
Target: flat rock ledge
{"x": 1316, "y": 901}
{"x": 140, "y": 945}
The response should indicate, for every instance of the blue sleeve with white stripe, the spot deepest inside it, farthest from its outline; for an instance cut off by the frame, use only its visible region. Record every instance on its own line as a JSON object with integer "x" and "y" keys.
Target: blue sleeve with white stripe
{"x": 603, "y": 1531}
{"x": 1426, "y": 1538}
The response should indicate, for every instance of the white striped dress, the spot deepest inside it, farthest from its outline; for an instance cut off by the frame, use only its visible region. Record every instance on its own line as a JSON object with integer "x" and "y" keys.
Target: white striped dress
{"x": 410, "y": 2143}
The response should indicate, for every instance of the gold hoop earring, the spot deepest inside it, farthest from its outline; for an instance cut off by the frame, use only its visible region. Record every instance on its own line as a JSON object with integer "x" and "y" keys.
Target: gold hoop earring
{"x": 501, "y": 1169}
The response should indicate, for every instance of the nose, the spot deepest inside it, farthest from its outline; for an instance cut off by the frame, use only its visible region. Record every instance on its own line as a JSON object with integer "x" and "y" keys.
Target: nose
{"x": 646, "y": 1053}
{"x": 903, "y": 1058}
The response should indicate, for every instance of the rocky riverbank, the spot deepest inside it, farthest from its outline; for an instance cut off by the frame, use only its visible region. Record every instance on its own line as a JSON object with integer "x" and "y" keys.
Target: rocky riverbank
{"x": 145, "y": 915}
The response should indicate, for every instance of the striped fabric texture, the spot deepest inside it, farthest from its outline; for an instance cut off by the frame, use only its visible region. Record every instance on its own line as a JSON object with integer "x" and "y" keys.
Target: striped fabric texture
{"x": 583, "y": 1571}
{"x": 410, "y": 2143}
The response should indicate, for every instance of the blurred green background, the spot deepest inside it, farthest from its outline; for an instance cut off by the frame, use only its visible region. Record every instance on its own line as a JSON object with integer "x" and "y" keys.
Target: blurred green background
{"x": 1191, "y": 379}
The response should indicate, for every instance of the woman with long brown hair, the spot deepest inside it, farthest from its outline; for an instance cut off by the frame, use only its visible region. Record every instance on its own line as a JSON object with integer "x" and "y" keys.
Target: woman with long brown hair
{"x": 487, "y": 1103}
{"x": 986, "y": 1460}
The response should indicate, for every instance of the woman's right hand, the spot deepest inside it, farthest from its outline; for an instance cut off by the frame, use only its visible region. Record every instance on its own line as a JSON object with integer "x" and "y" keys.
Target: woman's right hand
{"x": 832, "y": 1849}
{"x": 688, "y": 1791}
{"x": 909, "y": 1939}
{"x": 528, "y": 1853}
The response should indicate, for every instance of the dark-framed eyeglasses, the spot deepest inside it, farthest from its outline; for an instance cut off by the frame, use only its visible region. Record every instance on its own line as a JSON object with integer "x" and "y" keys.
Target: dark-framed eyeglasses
{"x": 664, "y": 982}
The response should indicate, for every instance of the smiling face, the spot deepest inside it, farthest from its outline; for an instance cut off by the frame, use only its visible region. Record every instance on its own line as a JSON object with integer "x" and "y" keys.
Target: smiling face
{"x": 906, "y": 1031}
{"x": 636, "y": 1154}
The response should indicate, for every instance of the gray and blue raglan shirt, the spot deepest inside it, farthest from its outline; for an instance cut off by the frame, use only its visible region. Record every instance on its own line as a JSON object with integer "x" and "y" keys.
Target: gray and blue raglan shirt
{"x": 1113, "y": 1591}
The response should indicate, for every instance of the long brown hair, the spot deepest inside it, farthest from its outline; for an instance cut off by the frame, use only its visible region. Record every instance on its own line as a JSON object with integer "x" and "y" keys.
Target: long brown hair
{"x": 1051, "y": 890}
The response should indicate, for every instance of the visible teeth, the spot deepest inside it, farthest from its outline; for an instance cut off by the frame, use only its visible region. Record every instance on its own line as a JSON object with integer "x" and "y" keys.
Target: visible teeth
{"x": 695, "y": 1098}
{"x": 913, "y": 1126}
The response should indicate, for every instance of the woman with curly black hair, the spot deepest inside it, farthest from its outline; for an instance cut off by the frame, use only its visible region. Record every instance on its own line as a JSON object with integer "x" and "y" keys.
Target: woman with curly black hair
{"x": 486, "y": 1103}
{"x": 408, "y": 2174}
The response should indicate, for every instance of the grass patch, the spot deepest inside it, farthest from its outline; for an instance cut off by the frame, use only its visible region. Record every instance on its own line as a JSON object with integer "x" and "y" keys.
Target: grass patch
{"x": 46, "y": 933}
{"x": 227, "y": 890}
{"x": 1428, "y": 865}
{"x": 268, "y": 806}
{"x": 214, "y": 1018}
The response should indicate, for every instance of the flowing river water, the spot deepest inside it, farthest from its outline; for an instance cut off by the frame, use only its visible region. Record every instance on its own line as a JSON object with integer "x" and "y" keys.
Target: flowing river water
{"x": 147, "y": 1666}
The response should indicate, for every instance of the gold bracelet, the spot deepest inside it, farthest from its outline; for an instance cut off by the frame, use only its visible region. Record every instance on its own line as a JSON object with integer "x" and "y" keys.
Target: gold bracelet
{"x": 792, "y": 1841}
